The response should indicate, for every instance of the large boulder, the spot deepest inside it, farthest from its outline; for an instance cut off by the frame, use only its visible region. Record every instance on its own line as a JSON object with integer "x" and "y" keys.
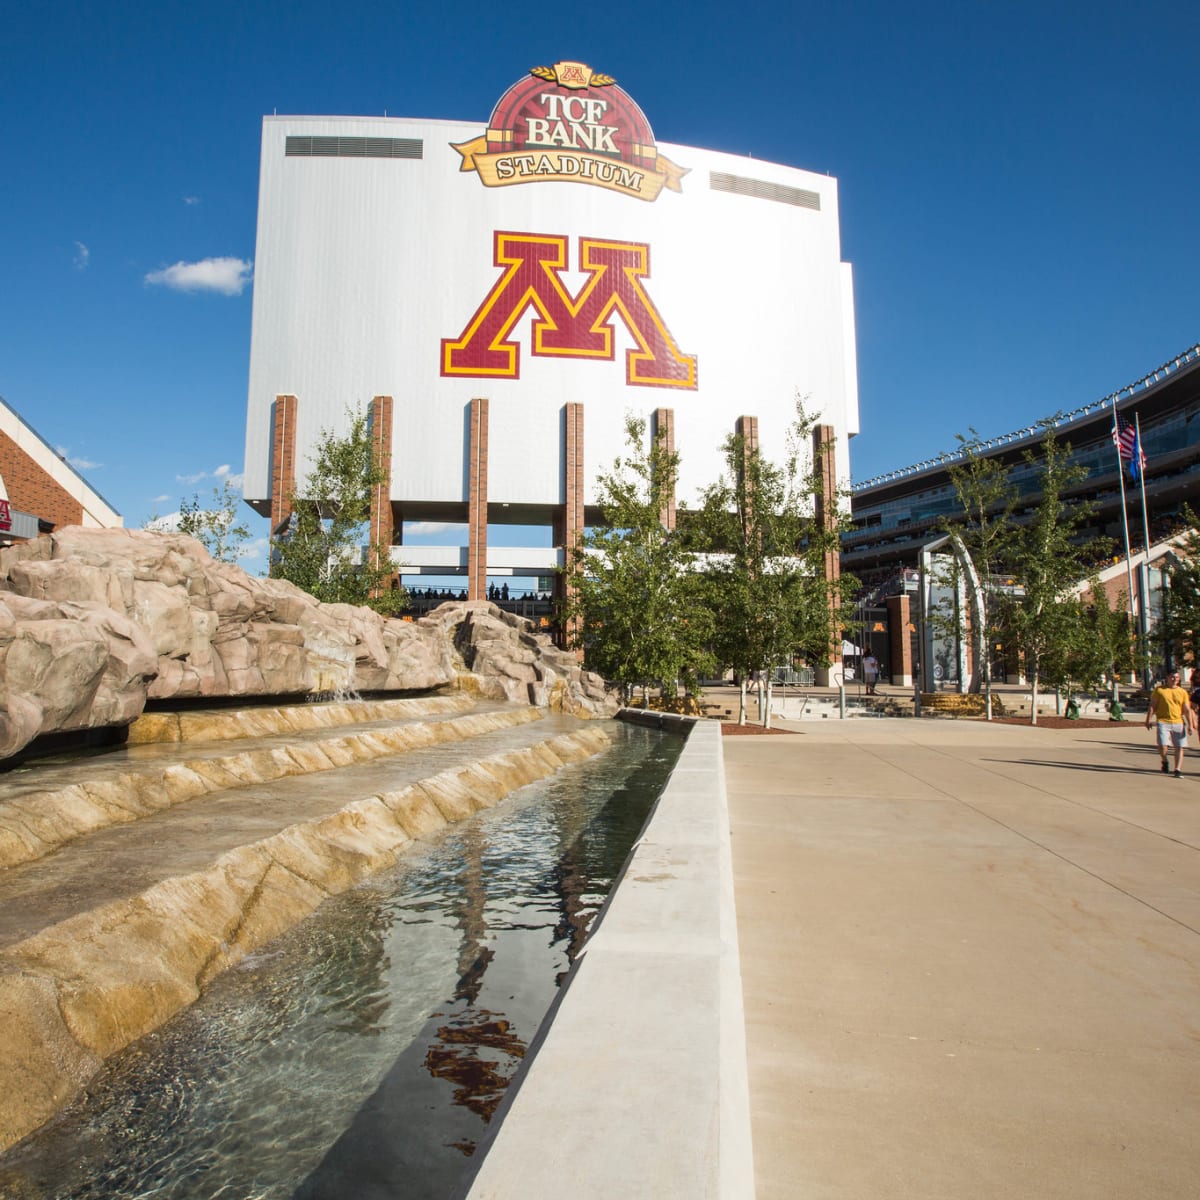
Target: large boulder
{"x": 95, "y": 622}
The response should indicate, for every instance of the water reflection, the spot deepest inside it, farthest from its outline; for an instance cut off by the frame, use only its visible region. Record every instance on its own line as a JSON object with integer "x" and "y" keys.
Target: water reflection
{"x": 362, "y": 1055}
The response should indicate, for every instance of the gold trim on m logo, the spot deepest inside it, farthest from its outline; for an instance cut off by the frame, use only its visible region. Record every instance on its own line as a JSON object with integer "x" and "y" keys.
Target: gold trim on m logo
{"x": 565, "y": 325}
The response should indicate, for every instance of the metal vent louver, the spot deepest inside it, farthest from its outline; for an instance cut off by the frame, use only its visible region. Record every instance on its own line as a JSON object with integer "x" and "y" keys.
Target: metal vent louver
{"x": 738, "y": 185}
{"x": 316, "y": 146}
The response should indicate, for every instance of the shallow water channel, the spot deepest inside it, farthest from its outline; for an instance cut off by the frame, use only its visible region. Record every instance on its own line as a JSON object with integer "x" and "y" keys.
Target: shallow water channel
{"x": 362, "y": 1054}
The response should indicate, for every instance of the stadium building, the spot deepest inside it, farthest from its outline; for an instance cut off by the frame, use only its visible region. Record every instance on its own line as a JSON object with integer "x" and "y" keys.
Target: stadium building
{"x": 499, "y": 295}
{"x": 898, "y": 514}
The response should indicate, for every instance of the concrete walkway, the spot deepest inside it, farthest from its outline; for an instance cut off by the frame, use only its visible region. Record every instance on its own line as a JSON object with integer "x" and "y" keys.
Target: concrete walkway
{"x": 970, "y": 957}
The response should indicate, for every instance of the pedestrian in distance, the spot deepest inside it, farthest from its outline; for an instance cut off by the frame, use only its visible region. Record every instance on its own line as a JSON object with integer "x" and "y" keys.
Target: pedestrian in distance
{"x": 1171, "y": 707}
{"x": 870, "y": 666}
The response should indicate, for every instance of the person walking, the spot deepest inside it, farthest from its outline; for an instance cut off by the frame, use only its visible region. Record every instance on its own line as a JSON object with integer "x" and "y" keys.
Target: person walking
{"x": 870, "y": 666}
{"x": 1170, "y": 706}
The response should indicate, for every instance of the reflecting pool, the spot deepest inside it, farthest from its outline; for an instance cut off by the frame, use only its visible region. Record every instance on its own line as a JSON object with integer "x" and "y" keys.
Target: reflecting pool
{"x": 362, "y": 1054}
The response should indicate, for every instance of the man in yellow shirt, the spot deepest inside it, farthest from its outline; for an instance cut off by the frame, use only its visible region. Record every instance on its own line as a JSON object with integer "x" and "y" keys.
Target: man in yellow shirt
{"x": 1170, "y": 706}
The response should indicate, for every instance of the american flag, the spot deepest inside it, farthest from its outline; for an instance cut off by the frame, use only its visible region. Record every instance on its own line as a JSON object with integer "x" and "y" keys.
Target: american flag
{"x": 1124, "y": 437}
{"x": 1129, "y": 446}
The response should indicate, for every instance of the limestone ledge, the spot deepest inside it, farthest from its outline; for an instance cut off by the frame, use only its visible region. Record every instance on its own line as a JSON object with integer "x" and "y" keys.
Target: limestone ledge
{"x": 79, "y": 991}
{"x": 36, "y": 823}
{"x": 207, "y": 725}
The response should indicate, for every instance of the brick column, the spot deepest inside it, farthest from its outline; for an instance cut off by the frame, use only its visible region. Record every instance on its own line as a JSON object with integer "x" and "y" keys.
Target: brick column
{"x": 382, "y": 528}
{"x": 283, "y": 459}
{"x": 569, "y": 524}
{"x": 747, "y": 429}
{"x": 900, "y": 640}
{"x": 662, "y": 425}
{"x": 825, "y": 512}
{"x": 477, "y": 500}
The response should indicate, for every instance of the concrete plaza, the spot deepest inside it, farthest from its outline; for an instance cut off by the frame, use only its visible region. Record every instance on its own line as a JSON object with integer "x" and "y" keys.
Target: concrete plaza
{"x": 970, "y": 958}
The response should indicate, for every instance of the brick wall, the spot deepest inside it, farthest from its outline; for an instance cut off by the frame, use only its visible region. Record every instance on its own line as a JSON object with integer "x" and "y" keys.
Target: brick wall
{"x": 31, "y": 490}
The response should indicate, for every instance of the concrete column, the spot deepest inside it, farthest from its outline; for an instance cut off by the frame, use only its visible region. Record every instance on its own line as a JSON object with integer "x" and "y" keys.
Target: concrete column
{"x": 283, "y": 459}
{"x": 477, "y": 499}
{"x": 382, "y": 525}
{"x": 662, "y": 425}
{"x": 900, "y": 641}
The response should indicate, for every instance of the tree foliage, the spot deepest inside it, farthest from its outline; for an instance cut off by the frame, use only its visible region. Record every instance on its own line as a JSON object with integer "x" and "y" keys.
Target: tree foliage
{"x": 324, "y": 548}
{"x": 1180, "y": 622}
{"x": 1051, "y": 559}
{"x": 984, "y": 527}
{"x": 636, "y": 607}
{"x": 1031, "y": 568}
{"x": 764, "y": 558}
{"x": 217, "y": 528}
{"x": 1095, "y": 643}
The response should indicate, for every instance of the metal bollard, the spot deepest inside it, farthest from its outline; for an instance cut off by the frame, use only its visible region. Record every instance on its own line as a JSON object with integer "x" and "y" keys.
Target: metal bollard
{"x": 842, "y": 701}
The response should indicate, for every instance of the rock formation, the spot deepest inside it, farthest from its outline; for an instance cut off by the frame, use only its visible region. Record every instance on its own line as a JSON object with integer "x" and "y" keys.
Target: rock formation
{"x": 95, "y": 622}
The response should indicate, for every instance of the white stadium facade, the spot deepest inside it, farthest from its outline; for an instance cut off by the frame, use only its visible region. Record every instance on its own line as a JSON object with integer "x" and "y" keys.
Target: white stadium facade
{"x": 499, "y": 297}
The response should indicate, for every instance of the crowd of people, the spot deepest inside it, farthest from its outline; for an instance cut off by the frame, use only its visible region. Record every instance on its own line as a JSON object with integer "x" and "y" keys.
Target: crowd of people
{"x": 424, "y": 599}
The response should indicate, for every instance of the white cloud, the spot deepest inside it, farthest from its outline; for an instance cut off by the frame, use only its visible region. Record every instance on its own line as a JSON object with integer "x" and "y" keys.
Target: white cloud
{"x": 190, "y": 200}
{"x": 164, "y": 524}
{"x": 252, "y": 556}
{"x": 228, "y": 276}
{"x": 82, "y": 256}
{"x": 75, "y": 460}
{"x": 224, "y": 474}
{"x": 160, "y": 499}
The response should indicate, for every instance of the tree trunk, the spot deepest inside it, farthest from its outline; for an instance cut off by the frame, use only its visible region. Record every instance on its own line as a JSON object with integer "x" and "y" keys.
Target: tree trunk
{"x": 766, "y": 691}
{"x": 1034, "y": 697}
{"x": 742, "y": 701}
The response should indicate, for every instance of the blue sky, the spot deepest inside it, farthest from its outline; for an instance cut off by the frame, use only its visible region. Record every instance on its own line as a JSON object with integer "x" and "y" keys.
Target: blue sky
{"x": 1018, "y": 181}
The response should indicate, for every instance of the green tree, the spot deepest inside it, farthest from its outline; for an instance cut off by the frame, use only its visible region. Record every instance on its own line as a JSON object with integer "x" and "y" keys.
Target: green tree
{"x": 217, "y": 527}
{"x": 1051, "y": 560}
{"x": 984, "y": 527}
{"x": 324, "y": 548}
{"x": 635, "y": 601}
{"x": 765, "y": 554}
{"x": 1096, "y": 644}
{"x": 1180, "y": 622}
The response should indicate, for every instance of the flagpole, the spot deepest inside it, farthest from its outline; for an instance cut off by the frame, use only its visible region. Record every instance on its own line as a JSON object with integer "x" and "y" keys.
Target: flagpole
{"x": 1124, "y": 515}
{"x": 1141, "y": 465}
{"x": 1140, "y": 459}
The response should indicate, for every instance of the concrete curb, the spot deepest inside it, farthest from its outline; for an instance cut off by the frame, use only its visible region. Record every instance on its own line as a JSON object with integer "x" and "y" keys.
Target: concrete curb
{"x": 637, "y": 1083}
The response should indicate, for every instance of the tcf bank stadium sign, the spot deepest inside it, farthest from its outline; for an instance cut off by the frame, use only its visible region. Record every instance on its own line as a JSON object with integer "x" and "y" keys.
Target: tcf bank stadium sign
{"x": 567, "y": 124}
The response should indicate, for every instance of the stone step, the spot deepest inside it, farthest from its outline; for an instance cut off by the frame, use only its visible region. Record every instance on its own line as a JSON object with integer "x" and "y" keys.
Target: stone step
{"x": 43, "y": 808}
{"x": 94, "y": 959}
{"x": 213, "y": 724}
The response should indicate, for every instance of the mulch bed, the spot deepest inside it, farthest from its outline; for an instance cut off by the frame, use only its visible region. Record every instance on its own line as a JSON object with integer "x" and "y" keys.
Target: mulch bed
{"x": 733, "y": 729}
{"x": 1046, "y": 722}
